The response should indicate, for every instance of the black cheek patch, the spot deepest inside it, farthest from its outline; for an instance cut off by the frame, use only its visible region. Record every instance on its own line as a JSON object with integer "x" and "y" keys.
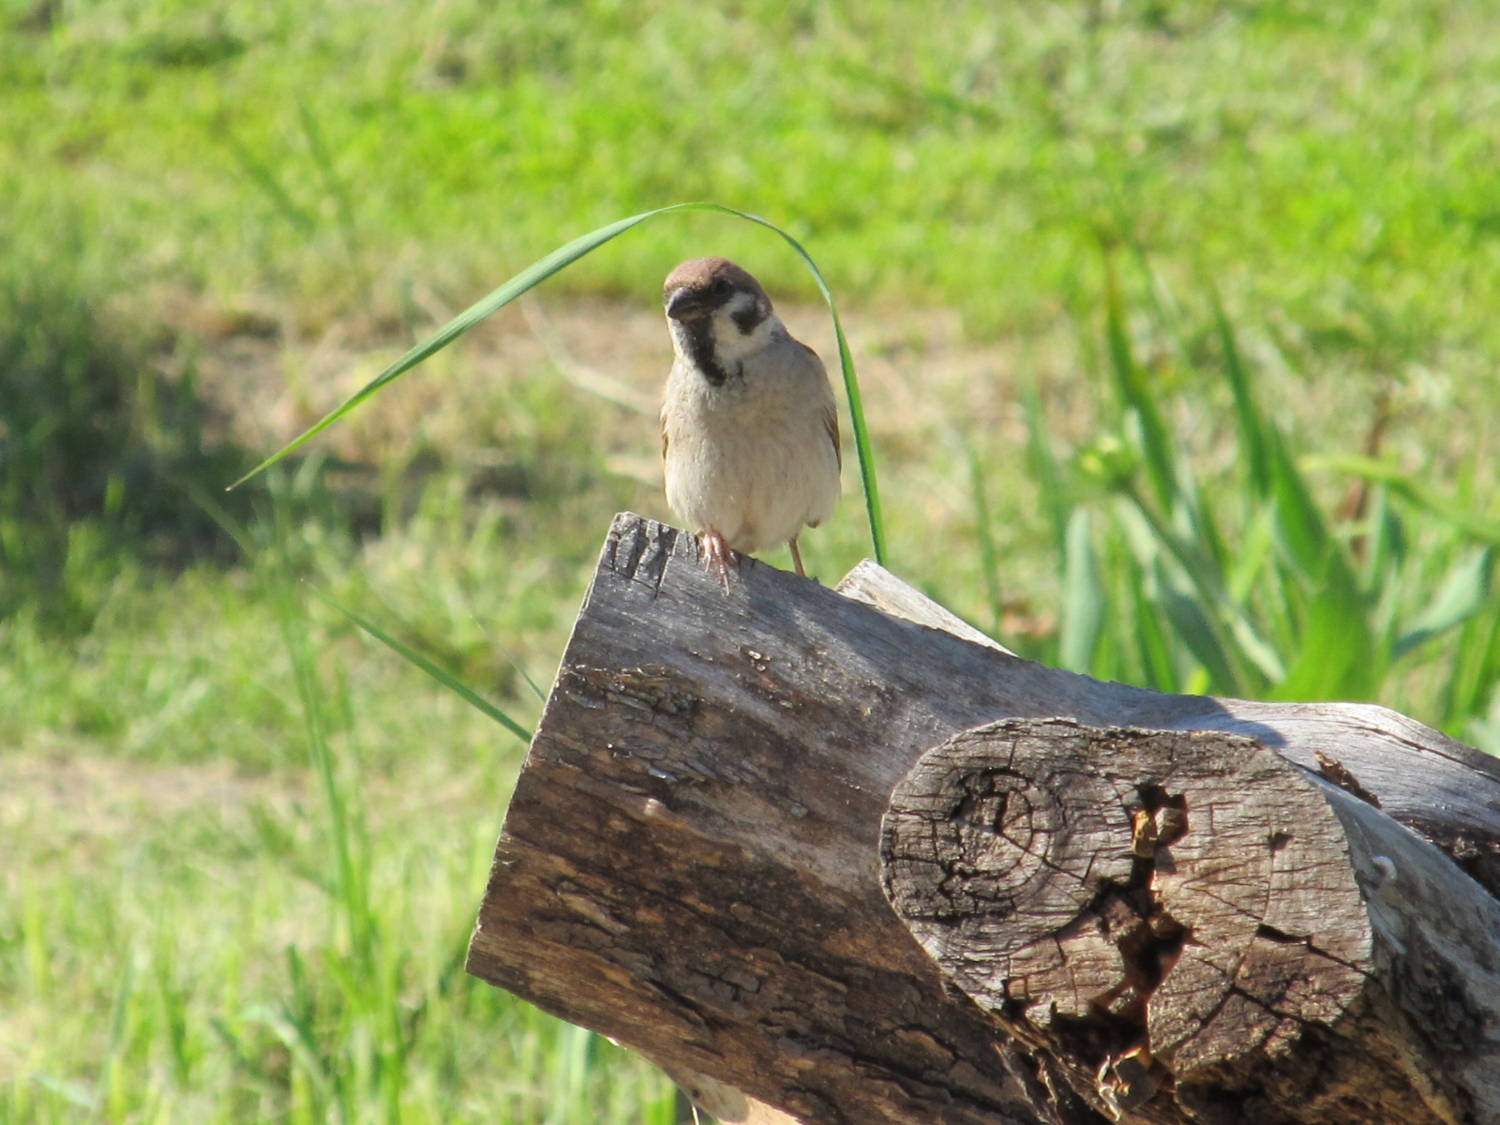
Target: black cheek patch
{"x": 700, "y": 344}
{"x": 748, "y": 319}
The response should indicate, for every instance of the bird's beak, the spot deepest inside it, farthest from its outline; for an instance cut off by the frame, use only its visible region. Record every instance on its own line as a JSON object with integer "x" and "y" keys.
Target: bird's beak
{"x": 682, "y": 304}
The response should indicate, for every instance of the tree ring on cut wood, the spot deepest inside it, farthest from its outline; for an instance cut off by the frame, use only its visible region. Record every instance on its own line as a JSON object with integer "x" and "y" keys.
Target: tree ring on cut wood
{"x": 991, "y": 852}
{"x": 1171, "y": 898}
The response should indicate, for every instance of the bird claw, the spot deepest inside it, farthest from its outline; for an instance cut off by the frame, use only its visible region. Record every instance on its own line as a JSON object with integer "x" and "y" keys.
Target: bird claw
{"x": 717, "y": 556}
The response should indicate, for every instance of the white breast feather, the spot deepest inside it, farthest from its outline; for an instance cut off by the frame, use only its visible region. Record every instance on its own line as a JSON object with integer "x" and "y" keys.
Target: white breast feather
{"x": 750, "y": 459}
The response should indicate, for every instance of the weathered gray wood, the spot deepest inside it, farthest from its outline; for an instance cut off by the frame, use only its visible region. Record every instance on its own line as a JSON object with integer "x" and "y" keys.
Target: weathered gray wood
{"x": 690, "y": 863}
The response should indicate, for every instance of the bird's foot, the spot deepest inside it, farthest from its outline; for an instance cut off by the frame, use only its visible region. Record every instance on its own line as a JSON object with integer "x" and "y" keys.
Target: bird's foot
{"x": 796, "y": 557}
{"x": 717, "y": 556}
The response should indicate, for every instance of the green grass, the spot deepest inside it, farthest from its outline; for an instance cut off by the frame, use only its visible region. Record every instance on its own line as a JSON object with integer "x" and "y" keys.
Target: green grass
{"x": 278, "y": 931}
{"x": 1217, "y": 419}
{"x": 1318, "y": 159}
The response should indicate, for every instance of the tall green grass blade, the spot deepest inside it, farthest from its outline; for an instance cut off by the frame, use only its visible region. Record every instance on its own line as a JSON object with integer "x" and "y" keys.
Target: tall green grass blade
{"x": 299, "y": 1046}
{"x": 513, "y": 660}
{"x": 567, "y": 1094}
{"x": 559, "y": 260}
{"x": 119, "y": 1018}
{"x": 1253, "y": 436}
{"x": 442, "y": 676}
{"x": 1192, "y": 624}
{"x": 1083, "y": 597}
{"x": 1142, "y": 626}
{"x": 1385, "y": 542}
{"x": 1210, "y": 585}
{"x": 1476, "y": 668}
{"x": 1248, "y": 561}
{"x": 1338, "y": 657}
{"x": 1300, "y": 529}
{"x": 1194, "y": 522}
{"x": 1131, "y": 388}
{"x": 1044, "y": 465}
{"x": 345, "y": 826}
{"x": 1483, "y": 731}
{"x": 1463, "y": 594}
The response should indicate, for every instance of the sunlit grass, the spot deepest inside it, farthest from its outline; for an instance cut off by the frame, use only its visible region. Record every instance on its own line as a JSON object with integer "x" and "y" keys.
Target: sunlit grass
{"x": 967, "y": 159}
{"x": 1214, "y": 416}
{"x": 191, "y": 943}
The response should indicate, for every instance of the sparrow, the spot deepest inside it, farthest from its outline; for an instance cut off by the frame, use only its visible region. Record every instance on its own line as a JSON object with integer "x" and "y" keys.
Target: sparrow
{"x": 749, "y": 424}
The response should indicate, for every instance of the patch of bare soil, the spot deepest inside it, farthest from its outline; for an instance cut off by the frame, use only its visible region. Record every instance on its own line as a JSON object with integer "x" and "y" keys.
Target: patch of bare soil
{"x": 920, "y": 376}
{"x": 72, "y": 800}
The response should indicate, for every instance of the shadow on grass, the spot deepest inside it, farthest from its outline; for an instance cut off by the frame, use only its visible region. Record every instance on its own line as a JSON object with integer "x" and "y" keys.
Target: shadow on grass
{"x": 104, "y": 463}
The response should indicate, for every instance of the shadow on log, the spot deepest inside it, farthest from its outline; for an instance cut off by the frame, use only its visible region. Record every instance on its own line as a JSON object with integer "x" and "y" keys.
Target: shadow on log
{"x": 835, "y": 853}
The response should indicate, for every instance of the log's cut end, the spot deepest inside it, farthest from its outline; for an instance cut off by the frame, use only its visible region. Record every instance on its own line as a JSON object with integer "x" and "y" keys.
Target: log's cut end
{"x": 1155, "y": 904}
{"x": 1175, "y": 917}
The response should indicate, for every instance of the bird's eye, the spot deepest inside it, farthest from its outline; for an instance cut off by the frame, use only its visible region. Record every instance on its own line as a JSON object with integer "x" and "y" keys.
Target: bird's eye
{"x": 719, "y": 288}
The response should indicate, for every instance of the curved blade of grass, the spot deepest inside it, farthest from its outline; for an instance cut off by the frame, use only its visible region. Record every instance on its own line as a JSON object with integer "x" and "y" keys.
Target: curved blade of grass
{"x": 559, "y": 260}
{"x": 1196, "y": 629}
{"x": 1209, "y": 583}
{"x": 1155, "y": 654}
{"x": 1300, "y": 527}
{"x": 510, "y": 656}
{"x": 440, "y": 675}
{"x": 1476, "y": 669}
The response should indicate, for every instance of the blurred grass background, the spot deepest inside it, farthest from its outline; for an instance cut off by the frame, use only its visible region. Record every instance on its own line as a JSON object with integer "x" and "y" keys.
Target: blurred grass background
{"x": 1175, "y": 326}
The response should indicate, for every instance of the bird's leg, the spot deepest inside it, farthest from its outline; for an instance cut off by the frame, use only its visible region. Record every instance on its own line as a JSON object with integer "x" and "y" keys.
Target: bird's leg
{"x": 717, "y": 555}
{"x": 796, "y": 556}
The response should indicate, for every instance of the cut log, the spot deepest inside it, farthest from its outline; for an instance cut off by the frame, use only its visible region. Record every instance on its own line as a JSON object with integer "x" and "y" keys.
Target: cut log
{"x": 1200, "y": 927}
{"x": 1185, "y": 919}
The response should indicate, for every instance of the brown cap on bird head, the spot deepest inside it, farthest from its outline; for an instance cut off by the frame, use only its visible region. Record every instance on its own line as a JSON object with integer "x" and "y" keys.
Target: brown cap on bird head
{"x": 698, "y": 287}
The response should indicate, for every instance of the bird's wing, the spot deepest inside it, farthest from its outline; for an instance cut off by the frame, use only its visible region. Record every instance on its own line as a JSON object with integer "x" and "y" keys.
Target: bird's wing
{"x": 831, "y": 408}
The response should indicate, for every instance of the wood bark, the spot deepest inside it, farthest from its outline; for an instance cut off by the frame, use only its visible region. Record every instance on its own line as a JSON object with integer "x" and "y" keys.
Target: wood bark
{"x": 819, "y": 849}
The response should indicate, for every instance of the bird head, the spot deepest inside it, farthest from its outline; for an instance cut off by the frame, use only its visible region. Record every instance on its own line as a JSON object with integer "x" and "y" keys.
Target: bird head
{"x": 718, "y": 312}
